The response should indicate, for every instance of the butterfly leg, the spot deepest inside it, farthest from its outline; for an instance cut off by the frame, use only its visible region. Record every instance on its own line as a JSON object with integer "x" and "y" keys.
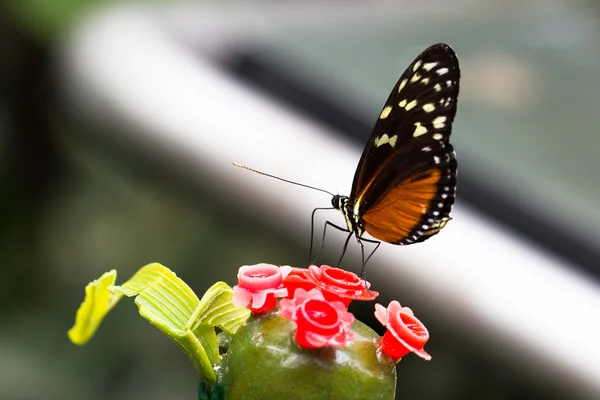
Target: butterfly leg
{"x": 362, "y": 249}
{"x": 312, "y": 230}
{"x": 327, "y": 223}
{"x": 345, "y": 246}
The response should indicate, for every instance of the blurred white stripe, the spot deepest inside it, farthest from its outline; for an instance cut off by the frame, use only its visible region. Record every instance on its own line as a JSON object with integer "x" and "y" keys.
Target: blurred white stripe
{"x": 125, "y": 65}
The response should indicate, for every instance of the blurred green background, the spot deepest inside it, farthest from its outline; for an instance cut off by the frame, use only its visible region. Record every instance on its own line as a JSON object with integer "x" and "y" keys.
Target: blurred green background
{"x": 73, "y": 208}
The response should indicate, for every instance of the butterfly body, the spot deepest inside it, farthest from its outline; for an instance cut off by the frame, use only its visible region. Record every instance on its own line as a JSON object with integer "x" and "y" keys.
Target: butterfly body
{"x": 404, "y": 185}
{"x": 353, "y": 221}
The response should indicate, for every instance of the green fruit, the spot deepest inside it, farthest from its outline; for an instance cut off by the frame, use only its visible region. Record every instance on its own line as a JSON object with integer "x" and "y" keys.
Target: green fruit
{"x": 263, "y": 362}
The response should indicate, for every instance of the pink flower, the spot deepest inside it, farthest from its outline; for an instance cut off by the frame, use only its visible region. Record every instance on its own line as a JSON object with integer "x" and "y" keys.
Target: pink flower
{"x": 405, "y": 333}
{"x": 319, "y": 322}
{"x": 259, "y": 286}
{"x": 341, "y": 285}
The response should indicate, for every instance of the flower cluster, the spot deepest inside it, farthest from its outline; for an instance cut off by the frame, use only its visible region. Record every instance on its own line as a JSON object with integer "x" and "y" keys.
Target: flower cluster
{"x": 317, "y": 300}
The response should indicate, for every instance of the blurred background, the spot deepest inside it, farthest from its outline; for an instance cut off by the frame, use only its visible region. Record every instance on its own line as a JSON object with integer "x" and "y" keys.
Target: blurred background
{"x": 119, "y": 121}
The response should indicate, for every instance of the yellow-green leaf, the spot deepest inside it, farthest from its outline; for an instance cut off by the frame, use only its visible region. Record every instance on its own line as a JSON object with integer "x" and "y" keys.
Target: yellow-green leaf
{"x": 169, "y": 304}
{"x": 216, "y": 309}
{"x": 163, "y": 298}
{"x": 97, "y": 303}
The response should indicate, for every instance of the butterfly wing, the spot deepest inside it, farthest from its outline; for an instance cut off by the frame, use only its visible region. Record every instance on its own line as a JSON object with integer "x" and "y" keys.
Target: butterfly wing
{"x": 412, "y": 197}
{"x": 417, "y": 115}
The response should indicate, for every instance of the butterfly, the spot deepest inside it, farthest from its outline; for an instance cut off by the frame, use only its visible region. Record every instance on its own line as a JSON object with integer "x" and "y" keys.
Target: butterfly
{"x": 405, "y": 183}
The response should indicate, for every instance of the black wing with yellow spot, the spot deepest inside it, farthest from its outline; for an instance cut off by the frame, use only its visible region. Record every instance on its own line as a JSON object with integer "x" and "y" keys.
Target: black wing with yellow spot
{"x": 405, "y": 182}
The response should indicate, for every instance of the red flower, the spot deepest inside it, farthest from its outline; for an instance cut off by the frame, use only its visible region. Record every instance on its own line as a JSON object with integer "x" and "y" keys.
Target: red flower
{"x": 259, "y": 286}
{"x": 340, "y": 285}
{"x": 298, "y": 278}
{"x": 405, "y": 333}
{"x": 319, "y": 322}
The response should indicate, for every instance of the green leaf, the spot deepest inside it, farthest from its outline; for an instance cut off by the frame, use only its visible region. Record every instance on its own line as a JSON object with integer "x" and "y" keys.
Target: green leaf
{"x": 216, "y": 309}
{"x": 162, "y": 298}
{"x": 170, "y": 305}
{"x": 97, "y": 303}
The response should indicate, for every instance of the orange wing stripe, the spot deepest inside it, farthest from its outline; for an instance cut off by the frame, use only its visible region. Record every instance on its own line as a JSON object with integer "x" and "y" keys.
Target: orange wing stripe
{"x": 395, "y": 216}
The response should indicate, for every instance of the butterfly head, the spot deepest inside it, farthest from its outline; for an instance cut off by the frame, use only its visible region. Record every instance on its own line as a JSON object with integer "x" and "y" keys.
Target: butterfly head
{"x": 353, "y": 221}
{"x": 339, "y": 202}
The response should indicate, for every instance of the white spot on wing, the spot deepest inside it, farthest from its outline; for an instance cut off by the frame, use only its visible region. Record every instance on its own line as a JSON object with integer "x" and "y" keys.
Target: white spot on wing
{"x": 419, "y": 130}
{"x": 417, "y": 65}
{"x": 429, "y": 66}
{"x": 425, "y": 81}
{"x": 437, "y": 87}
{"x": 438, "y": 136}
{"x": 402, "y": 84}
{"x": 436, "y": 159}
{"x": 385, "y": 112}
{"x": 381, "y": 140}
{"x": 442, "y": 71}
{"x": 429, "y": 107}
{"x": 410, "y": 105}
{"x": 439, "y": 122}
{"x": 402, "y": 104}
{"x": 415, "y": 78}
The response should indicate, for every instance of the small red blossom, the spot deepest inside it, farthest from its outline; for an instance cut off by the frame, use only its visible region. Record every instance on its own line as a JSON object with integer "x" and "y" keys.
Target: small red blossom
{"x": 287, "y": 307}
{"x": 319, "y": 322}
{"x": 259, "y": 286}
{"x": 405, "y": 333}
{"x": 340, "y": 285}
{"x": 297, "y": 278}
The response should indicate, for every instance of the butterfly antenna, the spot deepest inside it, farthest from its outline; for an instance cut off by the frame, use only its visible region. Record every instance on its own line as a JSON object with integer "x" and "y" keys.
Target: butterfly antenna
{"x": 281, "y": 179}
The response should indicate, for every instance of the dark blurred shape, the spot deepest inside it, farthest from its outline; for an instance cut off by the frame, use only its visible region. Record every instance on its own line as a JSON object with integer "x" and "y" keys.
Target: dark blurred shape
{"x": 31, "y": 165}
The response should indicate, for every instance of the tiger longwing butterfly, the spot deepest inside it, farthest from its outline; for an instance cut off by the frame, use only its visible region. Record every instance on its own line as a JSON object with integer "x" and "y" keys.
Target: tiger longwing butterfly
{"x": 405, "y": 182}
